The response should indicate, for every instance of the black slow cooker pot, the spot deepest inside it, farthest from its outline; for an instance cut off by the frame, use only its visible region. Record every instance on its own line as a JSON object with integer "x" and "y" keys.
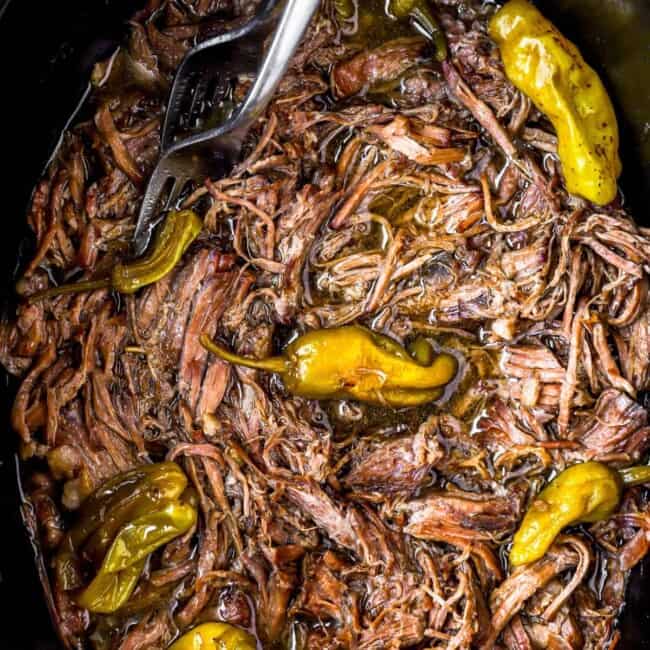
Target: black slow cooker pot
{"x": 47, "y": 50}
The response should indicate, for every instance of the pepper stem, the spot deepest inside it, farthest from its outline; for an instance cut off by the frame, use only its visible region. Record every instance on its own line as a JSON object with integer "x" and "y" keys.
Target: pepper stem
{"x": 635, "y": 475}
{"x": 273, "y": 364}
{"x": 77, "y": 287}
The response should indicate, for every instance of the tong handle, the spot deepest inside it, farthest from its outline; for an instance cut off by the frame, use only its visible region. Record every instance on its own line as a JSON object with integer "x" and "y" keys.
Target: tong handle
{"x": 232, "y": 52}
{"x": 294, "y": 20}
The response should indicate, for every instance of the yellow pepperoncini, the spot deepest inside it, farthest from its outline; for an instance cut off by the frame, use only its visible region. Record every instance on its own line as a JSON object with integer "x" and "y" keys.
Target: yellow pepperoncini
{"x": 583, "y": 493}
{"x": 548, "y": 68}
{"x": 126, "y": 557}
{"x": 215, "y": 636}
{"x": 110, "y": 591}
{"x": 120, "y": 525}
{"x": 352, "y": 362}
{"x": 177, "y": 233}
{"x": 144, "y": 535}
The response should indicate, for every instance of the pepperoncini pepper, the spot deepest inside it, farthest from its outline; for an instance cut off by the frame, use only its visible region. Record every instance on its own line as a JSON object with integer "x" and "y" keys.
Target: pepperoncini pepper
{"x": 548, "y": 68}
{"x": 637, "y": 475}
{"x": 117, "y": 501}
{"x": 125, "y": 560}
{"x": 344, "y": 8}
{"x": 583, "y": 493}
{"x": 109, "y": 591}
{"x": 144, "y": 535}
{"x": 215, "y": 636}
{"x": 421, "y": 351}
{"x": 121, "y": 523}
{"x": 352, "y": 362}
{"x": 420, "y": 12}
{"x": 178, "y": 232}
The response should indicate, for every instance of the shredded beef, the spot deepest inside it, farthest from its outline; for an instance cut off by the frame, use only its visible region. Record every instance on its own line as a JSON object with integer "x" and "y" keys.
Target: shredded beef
{"x": 381, "y": 188}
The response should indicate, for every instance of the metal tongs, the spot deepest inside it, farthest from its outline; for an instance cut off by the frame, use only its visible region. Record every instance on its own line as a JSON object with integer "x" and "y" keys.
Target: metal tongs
{"x": 208, "y": 66}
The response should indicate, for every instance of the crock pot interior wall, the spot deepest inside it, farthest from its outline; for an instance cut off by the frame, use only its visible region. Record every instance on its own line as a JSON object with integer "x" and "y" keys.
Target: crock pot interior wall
{"x": 46, "y": 53}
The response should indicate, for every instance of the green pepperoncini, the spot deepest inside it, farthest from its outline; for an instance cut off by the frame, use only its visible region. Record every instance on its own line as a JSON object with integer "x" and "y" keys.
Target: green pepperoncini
{"x": 419, "y": 12}
{"x": 120, "y": 525}
{"x": 179, "y": 230}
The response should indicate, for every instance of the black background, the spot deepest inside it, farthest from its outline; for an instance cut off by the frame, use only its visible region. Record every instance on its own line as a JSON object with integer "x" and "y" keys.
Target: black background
{"x": 47, "y": 48}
